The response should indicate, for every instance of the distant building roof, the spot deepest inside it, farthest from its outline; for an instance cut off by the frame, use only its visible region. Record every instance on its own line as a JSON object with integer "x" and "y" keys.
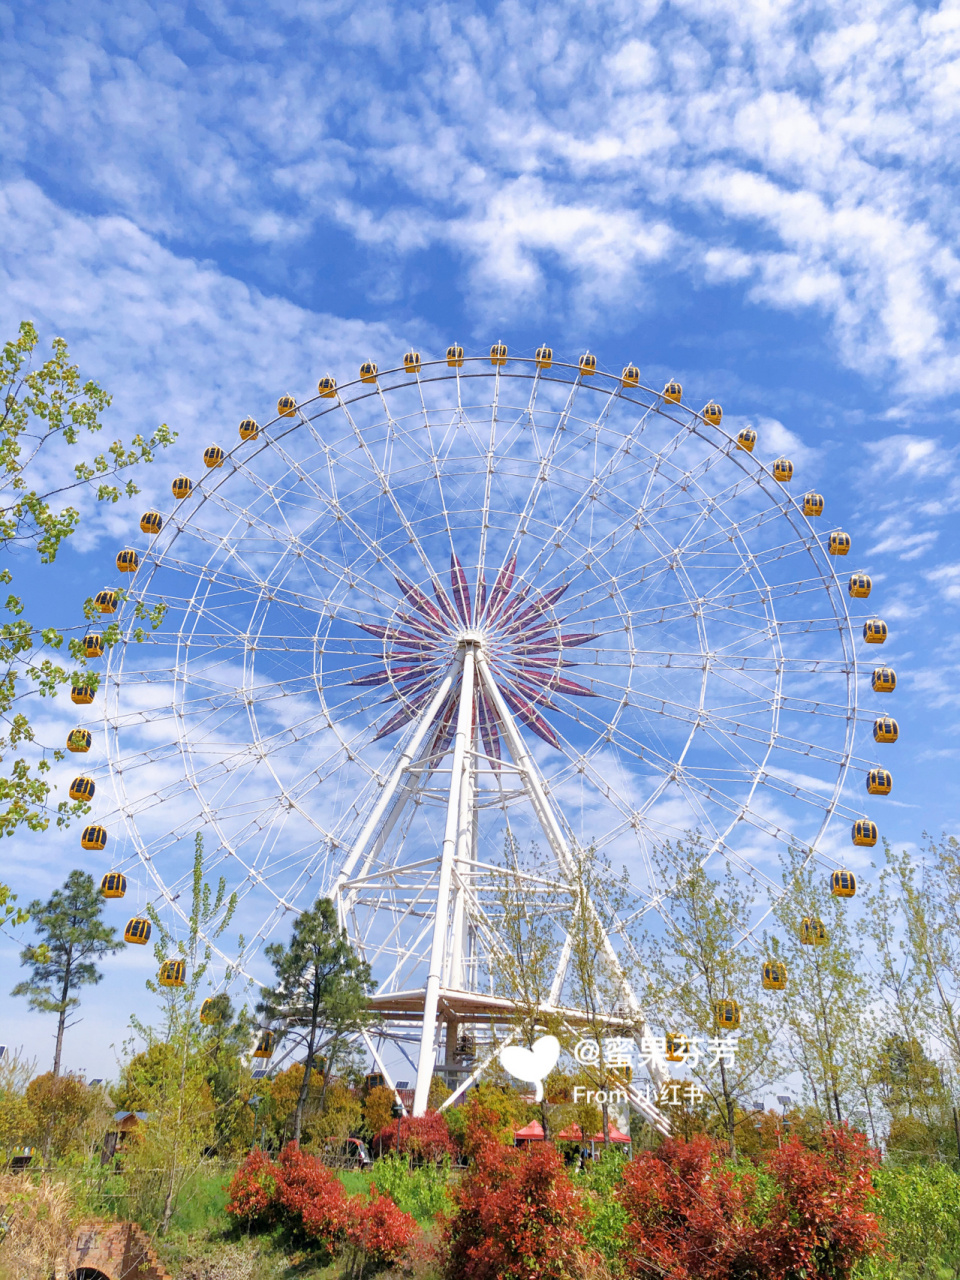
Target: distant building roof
{"x": 121, "y": 1116}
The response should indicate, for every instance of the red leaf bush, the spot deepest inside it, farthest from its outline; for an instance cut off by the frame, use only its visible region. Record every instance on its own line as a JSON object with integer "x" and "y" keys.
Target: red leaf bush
{"x": 426, "y": 1138}
{"x": 688, "y": 1217}
{"x": 691, "y": 1218}
{"x": 312, "y": 1199}
{"x": 517, "y": 1216}
{"x": 253, "y": 1190}
{"x": 379, "y": 1232}
{"x": 819, "y": 1223}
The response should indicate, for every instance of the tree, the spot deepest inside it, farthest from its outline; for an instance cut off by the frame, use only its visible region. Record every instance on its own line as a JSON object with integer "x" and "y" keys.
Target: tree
{"x": 66, "y": 1114}
{"x": 45, "y": 413}
{"x": 826, "y": 999}
{"x": 176, "y": 1091}
{"x": 378, "y": 1110}
{"x": 524, "y": 964}
{"x": 320, "y": 995}
{"x": 72, "y": 936}
{"x": 597, "y": 975}
{"x": 693, "y": 962}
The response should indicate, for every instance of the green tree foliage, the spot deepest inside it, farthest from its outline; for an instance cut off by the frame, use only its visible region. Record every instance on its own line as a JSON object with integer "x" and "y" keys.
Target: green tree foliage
{"x": 694, "y": 961}
{"x": 827, "y": 999}
{"x": 66, "y": 1114}
{"x": 320, "y": 995}
{"x": 16, "y": 1119}
{"x": 72, "y": 937}
{"x": 171, "y": 1080}
{"x": 47, "y": 411}
{"x": 529, "y": 938}
{"x": 596, "y": 974}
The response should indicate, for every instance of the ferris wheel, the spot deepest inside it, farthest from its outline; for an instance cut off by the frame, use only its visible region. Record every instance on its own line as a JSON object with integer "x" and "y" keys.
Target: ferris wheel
{"x": 462, "y": 600}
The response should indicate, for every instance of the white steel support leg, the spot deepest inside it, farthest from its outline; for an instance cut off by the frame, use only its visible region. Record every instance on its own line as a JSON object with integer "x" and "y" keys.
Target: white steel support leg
{"x": 466, "y": 844}
{"x": 413, "y": 746}
{"x": 451, "y": 834}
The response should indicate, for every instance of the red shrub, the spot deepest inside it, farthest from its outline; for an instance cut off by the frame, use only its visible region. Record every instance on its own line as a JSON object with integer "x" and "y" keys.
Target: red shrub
{"x": 819, "y": 1224}
{"x": 688, "y": 1216}
{"x": 379, "y": 1231}
{"x": 253, "y": 1190}
{"x": 424, "y": 1137}
{"x": 311, "y": 1198}
{"x": 517, "y": 1217}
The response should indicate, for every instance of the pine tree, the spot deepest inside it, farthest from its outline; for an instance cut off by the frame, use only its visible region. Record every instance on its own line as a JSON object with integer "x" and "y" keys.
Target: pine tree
{"x": 320, "y": 995}
{"x": 72, "y": 937}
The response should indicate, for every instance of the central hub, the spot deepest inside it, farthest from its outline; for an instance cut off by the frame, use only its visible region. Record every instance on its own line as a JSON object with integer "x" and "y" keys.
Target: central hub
{"x": 470, "y": 637}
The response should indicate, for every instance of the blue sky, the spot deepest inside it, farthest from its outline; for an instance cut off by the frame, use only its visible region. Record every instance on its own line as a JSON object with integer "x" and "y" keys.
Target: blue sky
{"x": 217, "y": 202}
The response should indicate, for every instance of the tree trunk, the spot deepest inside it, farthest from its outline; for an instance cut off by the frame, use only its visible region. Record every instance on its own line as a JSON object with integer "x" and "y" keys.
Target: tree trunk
{"x": 544, "y": 1118}
{"x": 171, "y": 1188}
{"x": 62, "y": 1020}
{"x": 728, "y": 1099}
{"x": 605, "y": 1112}
{"x": 302, "y": 1096}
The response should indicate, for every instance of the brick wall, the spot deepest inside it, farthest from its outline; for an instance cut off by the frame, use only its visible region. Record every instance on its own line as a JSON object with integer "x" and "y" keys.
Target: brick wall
{"x": 118, "y": 1250}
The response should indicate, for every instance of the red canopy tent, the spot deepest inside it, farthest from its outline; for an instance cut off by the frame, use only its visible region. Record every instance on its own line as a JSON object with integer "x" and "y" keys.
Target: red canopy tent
{"x": 532, "y": 1132}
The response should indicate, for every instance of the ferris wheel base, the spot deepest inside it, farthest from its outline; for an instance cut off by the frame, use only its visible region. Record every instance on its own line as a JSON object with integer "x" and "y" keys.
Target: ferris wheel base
{"x": 459, "y": 1009}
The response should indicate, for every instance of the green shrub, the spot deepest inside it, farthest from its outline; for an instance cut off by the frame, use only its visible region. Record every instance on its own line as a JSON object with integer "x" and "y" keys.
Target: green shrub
{"x": 919, "y": 1210}
{"x": 422, "y": 1191}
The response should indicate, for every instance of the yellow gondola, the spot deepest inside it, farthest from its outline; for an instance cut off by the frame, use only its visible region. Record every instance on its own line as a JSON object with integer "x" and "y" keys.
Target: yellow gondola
{"x": 630, "y": 376}
{"x": 774, "y": 976}
{"x": 673, "y": 392}
{"x": 82, "y": 788}
{"x": 783, "y": 470}
{"x": 79, "y": 740}
{"x": 839, "y": 543}
{"x": 411, "y": 361}
{"x": 455, "y": 357}
{"x": 813, "y": 504}
{"x": 374, "y": 1080}
{"x": 677, "y": 1047}
{"x": 81, "y": 694}
{"x": 368, "y": 371}
{"x": 726, "y": 1014}
{"x": 127, "y": 560}
{"x": 151, "y": 522}
{"x": 812, "y": 932}
{"x": 249, "y": 429}
{"x": 265, "y": 1044}
{"x": 588, "y": 365}
{"x": 93, "y": 837}
{"x": 884, "y": 680}
{"x": 138, "y": 931}
{"x": 843, "y": 884}
{"x": 713, "y": 413}
{"x": 213, "y": 456}
{"x": 860, "y": 585}
{"x": 172, "y": 973}
{"x": 875, "y": 631}
{"x": 182, "y": 487}
{"x": 113, "y": 884}
{"x": 287, "y": 407}
{"x": 211, "y": 1012}
{"x": 864, "y": 833}
{"x": 327, "y": 386}
{"x": 879, "y": 782}
{"x": 544, "y": 357}
{"x": 746, "y": 439}
{"x": 885, "y": 729}
{"x": 93, "y": 645}
{"x": 498, "y": 354}
{"x": 106, "y": 601}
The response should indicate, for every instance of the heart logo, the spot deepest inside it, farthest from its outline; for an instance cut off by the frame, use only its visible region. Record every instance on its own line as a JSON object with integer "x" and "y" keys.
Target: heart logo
{"x": 532, "y": 1065}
